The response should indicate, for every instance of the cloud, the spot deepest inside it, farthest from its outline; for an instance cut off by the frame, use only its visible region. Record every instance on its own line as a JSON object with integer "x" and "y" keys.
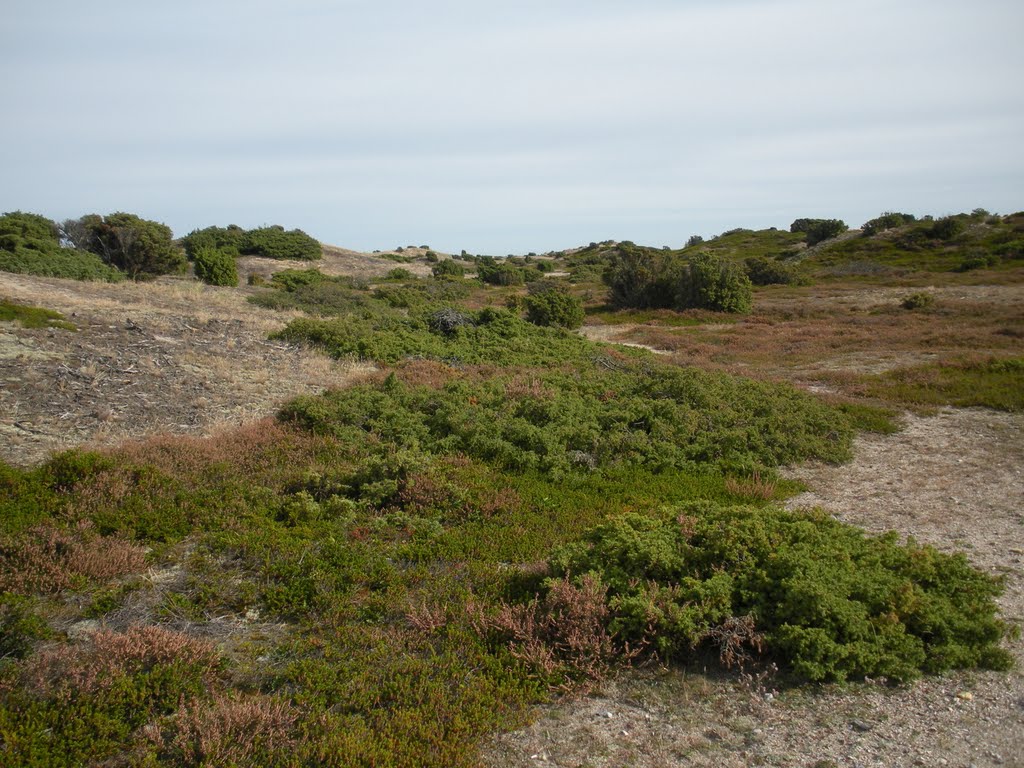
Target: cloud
{"x": 503, "y": 124}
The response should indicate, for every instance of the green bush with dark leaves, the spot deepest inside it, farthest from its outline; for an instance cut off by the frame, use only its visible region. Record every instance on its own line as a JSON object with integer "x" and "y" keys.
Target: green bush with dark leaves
{"x": 819, "y": 597}
{"x": 30, "y": 244}
{"x": 553, "y": 304}
{"x": 275, "y": 242}
{"x": 215, "y": 267}
{"x": 140, "y": 248}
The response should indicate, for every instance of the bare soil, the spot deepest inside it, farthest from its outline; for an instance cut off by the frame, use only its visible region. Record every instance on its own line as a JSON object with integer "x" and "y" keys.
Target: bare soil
{"x": 173, "y": 356}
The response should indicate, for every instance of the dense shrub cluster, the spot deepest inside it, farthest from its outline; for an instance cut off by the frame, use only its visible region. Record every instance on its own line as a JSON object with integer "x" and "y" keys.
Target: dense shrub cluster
{"x": 888, "y": 220}
{"x": 550, "y": 303}
{"x": 274, "y": 242}
{"x": 495, "y": 336}
{"x": 227, "y": 240}
{"x": 818, "y": 230}
{"x": 447, "y": 268}
{"x": 30, "y": 244}
{"x": 814, "y": 594}
{"x": 499, "y": 272}
{"x": 215, "y": 267}
{"x": 140, "y": 248}
{"x": 764, "y": 271}
{"x": 643, "y": 278}
{"x": 636, "y": 417}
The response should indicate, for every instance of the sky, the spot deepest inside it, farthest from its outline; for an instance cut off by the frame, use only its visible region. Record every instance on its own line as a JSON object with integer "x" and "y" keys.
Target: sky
{"x": 510, "y": 127}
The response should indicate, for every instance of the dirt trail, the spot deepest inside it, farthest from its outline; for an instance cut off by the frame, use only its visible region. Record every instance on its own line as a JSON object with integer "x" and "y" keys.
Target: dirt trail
{"x": 955, "y": 480}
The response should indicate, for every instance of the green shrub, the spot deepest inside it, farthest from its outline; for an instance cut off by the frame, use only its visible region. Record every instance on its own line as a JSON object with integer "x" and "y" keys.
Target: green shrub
{"x": 920, "y": 300}
{"x": 888, "y": 220}
{"x": 215, "y": 267}
{"x": 399, "y": 273}
{"x": 490, "y": 270}
{"x": 765, "y": 271}
{"x": 816, "y": 595}
{"x": 657, "y": 418}
{"x": 20, "y": 626}
{"x": 977, "y": 262}
{"x": 642, "y": 278}
{"x": 447, "y": 268}
{"x": 140, "y": 248}
{"x": 552, "y": 304}
{"x": 709, "y": 282}
{"x": 225, "y": 239}
{"x": 274, "y": 242}
{"x": 820, "y": 230}
{"x": 31, "y": 244}
{"x": 947, "y": 228}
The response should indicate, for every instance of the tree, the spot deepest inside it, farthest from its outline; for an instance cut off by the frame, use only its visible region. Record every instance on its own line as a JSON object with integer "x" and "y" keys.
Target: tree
{"x": 140, "y": 248}
{"x": 818, "y": 230}
{"x": 709, "y": 282}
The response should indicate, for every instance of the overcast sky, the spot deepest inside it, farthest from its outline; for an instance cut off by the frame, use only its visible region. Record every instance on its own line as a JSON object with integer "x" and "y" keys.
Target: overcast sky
{"x": 510, "y": 126}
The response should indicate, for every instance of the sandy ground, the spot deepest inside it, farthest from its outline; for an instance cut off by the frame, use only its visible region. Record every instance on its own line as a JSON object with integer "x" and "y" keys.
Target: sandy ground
{"x": 172, "y": 356}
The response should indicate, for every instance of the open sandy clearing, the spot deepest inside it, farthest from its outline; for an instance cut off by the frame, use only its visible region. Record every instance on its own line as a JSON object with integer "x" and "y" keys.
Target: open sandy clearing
{"x": 173, "y": 356}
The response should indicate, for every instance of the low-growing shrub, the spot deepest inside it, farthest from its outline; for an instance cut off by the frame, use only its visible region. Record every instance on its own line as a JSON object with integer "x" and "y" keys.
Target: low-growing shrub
{"x": 46, "y": 559}
{"x": 448, "y": 268}
{"x": 888, "y": 220}
{"x": 227, "y": 240}
{"x": 820, "y": 597}
{"x": 552, "y": 304}
{"x": 947, "y": 228}
{"x": 31, "y": 244}
{"x": 712, "y": 283}
{"x": 656, "y": 418}
{"x": 499, "y": 272}
{"x": 275, "y": 243}
{"x": 919, "y": 300}
{"x": 215, "y": 267}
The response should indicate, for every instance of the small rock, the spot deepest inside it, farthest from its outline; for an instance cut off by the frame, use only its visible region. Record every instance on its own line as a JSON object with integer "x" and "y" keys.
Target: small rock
{"x": 609, "y": 715}
{"x": 965, "y": 696}
{"x": 860, "y": 725}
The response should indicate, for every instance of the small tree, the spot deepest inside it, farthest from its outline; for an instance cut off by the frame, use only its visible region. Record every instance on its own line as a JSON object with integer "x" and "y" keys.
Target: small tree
{"x": 140, "y": 248}
{"x": 552, "y": 304}
{"x": 215, "y": 267}
{"x": 709, "y": 282}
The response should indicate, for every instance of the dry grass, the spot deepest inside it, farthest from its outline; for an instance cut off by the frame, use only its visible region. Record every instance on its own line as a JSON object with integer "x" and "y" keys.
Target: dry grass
{"x": 170, "y": 356}
{"x": 97, "y": 662}
{"x": 47, "y": 560}
{"x": 805, "y": 333}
